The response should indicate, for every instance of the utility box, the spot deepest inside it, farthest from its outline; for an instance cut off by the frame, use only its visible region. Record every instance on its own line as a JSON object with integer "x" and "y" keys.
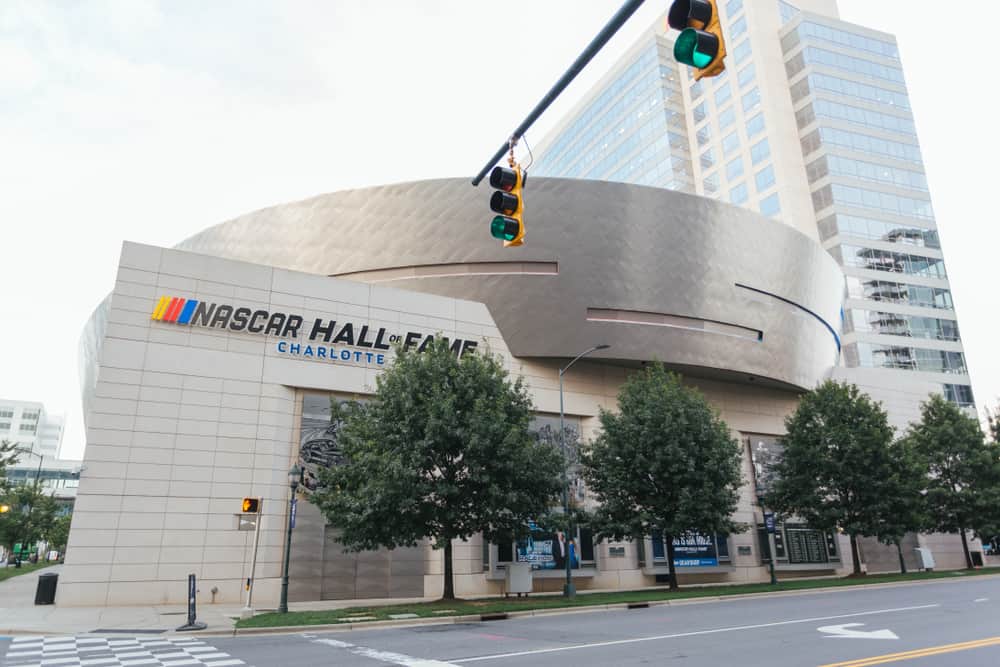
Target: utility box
{"x": 926, "y": 558}
{"x": 518, "y": 579}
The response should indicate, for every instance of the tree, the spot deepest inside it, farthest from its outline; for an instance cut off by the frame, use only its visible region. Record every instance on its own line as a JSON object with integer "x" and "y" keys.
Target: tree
{"x": 665, "y": 462}
{"x": 963, "y": 471}
{"x": 837, "y": 465}
{"x": 31, "y": 515}
{"x": 8, "y": 457}
{"x": 902, "y": 507}
{"x": 58, "y": 533}
{"x": 443, "y": 451}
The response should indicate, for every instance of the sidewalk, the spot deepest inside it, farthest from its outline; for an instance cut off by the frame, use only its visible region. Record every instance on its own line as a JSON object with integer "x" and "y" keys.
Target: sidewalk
{"x": 20, "y": 616}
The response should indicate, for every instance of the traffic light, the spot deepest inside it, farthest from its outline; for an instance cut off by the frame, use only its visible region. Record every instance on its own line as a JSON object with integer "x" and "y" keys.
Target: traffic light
{"x": 4, "y": 509}
{"x": 508, "y": 202}
{"x": 700, "y": 43}
{"x": 251, "y": 505}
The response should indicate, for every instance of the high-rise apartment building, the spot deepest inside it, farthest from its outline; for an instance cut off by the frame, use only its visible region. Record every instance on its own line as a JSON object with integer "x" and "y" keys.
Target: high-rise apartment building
{"x": 27, "y": 424}
{"x": 811, "y": 125}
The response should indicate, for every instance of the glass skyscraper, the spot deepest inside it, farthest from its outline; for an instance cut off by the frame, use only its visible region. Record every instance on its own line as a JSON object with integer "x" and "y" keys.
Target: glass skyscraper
{"x": 811, "y": 125}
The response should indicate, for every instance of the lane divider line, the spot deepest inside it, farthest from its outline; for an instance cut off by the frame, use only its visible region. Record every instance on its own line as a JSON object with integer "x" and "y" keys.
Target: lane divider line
{"x": 916, "y": 653}
{"x": 694, "y": 633}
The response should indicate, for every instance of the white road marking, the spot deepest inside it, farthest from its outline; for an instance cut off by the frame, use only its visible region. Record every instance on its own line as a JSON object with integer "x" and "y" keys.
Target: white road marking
{"x": 694, "y": 633}
{"x": 844, "y": 631}
{"x": 384, "y": 656}
{"x": 981, "y": 600}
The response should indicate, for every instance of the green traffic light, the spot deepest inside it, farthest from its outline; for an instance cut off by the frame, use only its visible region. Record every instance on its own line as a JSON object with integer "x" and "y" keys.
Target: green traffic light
{"x": 504, "y": 228}
{"x": 696, "y": 48}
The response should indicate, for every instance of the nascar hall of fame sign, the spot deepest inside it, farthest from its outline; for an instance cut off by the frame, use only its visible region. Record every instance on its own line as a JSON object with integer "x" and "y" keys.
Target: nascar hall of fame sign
{"x": 321, "y": 339}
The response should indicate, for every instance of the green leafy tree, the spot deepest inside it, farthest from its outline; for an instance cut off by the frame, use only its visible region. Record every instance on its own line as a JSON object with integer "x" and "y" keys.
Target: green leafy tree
{"x": 665, "y": 462}
{"x": 8, "y": 457}
{"x": 58, "y": 533}
{"x": 31, "y": 515}
{"x": 902, "y": 507}
{"x": 443, "y": 451}
{"x": 963, "y": 471}
{"x": 837, "y": 465}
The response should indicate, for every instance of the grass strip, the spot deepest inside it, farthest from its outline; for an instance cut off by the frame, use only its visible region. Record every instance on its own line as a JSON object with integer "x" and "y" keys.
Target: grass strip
{"x": 26, "y": 568}
{"x": 444, "y": 608}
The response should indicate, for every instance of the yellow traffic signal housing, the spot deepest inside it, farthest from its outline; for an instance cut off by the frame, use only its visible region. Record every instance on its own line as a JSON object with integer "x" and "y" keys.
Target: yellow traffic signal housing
{"x": 509, "y": 203}
{"x": 701, "y": 43}
{"x": 251, "y": 505}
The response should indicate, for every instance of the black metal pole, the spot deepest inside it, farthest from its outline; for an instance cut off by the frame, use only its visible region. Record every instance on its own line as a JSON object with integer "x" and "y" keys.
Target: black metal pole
{"x": 283, "y": 603}
{"x": 616, "y": 22}
{"x": 192, "y": 621}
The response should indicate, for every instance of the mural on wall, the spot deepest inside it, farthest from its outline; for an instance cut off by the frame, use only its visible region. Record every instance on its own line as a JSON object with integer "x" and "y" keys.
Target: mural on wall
{"x": 318, "y": 434}
{"x": 765, "y": 452}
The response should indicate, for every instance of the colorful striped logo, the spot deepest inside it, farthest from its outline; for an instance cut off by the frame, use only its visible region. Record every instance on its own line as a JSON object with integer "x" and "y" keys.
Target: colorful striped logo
{"x": 174, "y": 309}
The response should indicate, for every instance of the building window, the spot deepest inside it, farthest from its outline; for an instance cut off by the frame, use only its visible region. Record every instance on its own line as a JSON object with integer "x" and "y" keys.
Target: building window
{"x": 734, "y": 169}
{"x": 760, "y": 151}
{"x": 746, "y": 75}
{"x": 711, "y": 183}
{"x": 696, "y": 90}
{"x": 869, "y": 355}
{"x": 731, "y": 143}
{"x": 31, "y": 415}
{"x": 6, "y": 413}
{"x": 896, "y": 292}
{"x": 707, "y": 158}
{"x": 699, "y": 112}
{"x": 866, "y": 228}
{"x": 742, "y": 51}
{"x": 770, "y": 205}
{"x": 764, "y": 178}
{"x": 738, "y": 27}
{"x": 703, "y": 135}
{"x": 4, "y": 426}
{"x": 898, "y": 324}
{"x": 755, "y": 125}
{"x": 724, "y": 92}
{"x": 727, "y": 118}
{"x": 876, "y": 259}
{"x": 960, "y": 394}
{"x": 751, "y": 100}
{"x": 738, "y": 194}
{"x": 787, "y": 11}
{"x": 873, "y": 200}
{"x": 28, "y": 428}
{"x": 732, "y": 7}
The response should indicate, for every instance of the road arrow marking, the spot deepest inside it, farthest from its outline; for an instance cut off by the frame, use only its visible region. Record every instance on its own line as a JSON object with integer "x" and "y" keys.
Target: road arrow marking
{"x": 843, "y": 631}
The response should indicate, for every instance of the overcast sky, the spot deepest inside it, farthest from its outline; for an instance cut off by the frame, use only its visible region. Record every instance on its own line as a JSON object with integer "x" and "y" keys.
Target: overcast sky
{"x": 150, "y": 121}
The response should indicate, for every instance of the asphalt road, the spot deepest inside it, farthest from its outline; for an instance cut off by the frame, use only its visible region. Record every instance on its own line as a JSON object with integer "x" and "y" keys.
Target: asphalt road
{"x": 954, "y": 623}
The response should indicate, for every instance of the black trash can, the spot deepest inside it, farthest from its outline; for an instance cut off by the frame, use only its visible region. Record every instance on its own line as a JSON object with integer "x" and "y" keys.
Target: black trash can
{"x": 46, "y": 591}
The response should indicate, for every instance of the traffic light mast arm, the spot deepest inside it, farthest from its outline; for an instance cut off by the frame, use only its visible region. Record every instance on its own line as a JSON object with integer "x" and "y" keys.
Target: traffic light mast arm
{"x": 616, "y": 22}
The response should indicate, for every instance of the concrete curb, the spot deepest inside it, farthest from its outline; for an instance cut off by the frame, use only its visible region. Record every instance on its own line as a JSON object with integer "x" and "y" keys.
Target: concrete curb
{"x": 476, "y": 618}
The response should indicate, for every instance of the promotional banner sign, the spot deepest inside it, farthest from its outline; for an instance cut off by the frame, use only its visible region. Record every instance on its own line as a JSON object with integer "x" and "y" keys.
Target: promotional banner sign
{"x": 548, "y": 551}
{"x": 689, "y": 551}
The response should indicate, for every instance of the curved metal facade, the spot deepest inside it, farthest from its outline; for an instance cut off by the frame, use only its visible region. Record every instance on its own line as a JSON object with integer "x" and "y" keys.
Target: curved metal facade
{"x": 703, "y": 286}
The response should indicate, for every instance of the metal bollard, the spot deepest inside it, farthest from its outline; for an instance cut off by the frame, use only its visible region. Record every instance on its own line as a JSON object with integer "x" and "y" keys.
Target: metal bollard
{"x": 192, "y": 624}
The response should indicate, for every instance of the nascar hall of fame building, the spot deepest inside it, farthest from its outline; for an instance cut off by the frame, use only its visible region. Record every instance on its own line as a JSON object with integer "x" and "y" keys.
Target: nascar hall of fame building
{"x": 213, "y": 367}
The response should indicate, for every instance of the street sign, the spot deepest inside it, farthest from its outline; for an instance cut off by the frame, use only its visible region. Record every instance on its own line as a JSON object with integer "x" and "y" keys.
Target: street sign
{"x": 769, "y": 522}
{"x": 295, "y": 503}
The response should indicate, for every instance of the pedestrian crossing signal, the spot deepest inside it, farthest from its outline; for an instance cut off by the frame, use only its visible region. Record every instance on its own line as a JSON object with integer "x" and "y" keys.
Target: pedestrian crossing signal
{"x": 251, "y": 505}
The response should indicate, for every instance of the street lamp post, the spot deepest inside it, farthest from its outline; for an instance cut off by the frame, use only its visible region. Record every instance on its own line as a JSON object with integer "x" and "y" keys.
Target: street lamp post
{"x": 294, "y": 477}
{"x": 569, "y": 590}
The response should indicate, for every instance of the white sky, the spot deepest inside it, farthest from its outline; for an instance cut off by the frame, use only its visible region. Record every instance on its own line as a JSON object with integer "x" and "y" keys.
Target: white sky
{"x": 150, "y": 121}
